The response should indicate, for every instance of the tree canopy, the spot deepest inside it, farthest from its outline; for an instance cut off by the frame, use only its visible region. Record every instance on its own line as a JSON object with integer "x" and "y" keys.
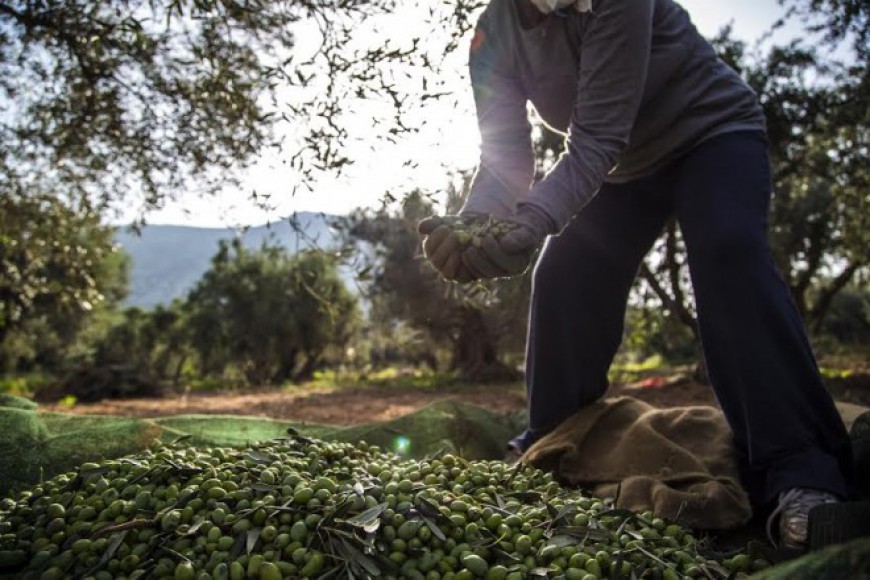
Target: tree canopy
{"x": 138, "y": 100}
{"x": 57, "y": 264}
{"x": 817, "y": 107}
{"x": 269, "y": 313}
{"x": 135, "y": 101}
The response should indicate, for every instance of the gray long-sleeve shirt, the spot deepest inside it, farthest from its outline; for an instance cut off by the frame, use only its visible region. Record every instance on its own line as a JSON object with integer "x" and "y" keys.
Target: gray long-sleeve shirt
{"x": 632, "y": 83}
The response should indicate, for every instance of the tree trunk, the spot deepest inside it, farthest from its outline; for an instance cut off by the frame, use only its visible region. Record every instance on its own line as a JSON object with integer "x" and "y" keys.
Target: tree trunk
{"x": 475, "y": 356}
{"x": 816, "y": 315}
{"x": 312, "y": 361}
{"x": 677, "y": 309}
{"x": 286, "y": 368}
{"x": 176, "y": 377}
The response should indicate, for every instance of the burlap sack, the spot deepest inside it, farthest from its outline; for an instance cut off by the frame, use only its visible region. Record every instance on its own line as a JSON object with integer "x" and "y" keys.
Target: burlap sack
{"x": 678, "y": 462}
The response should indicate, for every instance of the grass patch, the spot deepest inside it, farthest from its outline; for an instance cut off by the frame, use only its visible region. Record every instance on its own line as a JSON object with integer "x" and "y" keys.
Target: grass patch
{"x": 628, "y": 372}
{"x": 24, "y": 385}
{"x": 392, "y": 377}
{"x": 829, "y": 373}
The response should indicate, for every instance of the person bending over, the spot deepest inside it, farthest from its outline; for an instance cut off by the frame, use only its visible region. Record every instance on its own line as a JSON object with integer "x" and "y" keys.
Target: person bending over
{"x": 657, "y": 127}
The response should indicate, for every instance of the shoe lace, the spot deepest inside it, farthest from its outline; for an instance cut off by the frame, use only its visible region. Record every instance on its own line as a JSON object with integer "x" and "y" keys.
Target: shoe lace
{"x": 801, "y": 500}
{"x": 784, "y": 499}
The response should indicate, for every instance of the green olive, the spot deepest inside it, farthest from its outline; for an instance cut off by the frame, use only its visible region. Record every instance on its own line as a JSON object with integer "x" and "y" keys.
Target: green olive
{"x": 273, "y": 510}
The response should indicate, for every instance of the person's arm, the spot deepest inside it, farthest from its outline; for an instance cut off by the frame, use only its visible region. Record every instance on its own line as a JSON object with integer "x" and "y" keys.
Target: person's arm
{"x": 506, "y": 167}
{"x": 615, "y": 55}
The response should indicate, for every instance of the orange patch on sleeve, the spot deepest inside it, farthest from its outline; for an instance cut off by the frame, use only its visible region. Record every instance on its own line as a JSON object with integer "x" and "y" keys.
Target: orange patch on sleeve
{"x": 477, "y": 39}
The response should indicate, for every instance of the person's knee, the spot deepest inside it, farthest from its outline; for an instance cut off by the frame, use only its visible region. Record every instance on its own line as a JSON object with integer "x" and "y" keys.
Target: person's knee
{"x": 584, "y": 270}
{"x": 726, "y": 244}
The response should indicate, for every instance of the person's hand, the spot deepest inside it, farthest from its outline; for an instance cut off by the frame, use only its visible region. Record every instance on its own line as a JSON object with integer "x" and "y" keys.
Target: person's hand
{"x": 507, "y": 247}
{"x": 444, "y": 240}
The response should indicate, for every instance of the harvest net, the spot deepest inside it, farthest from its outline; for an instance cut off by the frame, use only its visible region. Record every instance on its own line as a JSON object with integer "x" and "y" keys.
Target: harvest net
{"x": 195, "y": 494}
{"x": 35, "y": 446}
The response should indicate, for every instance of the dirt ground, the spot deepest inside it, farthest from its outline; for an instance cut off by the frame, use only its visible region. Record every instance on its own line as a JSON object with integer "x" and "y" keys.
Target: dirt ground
{"x": 334, "y": 406}
{"x": 350, "y": 406}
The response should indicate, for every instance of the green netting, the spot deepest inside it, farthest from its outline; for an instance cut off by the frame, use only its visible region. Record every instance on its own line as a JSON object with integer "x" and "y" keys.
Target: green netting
{"x": 36, "y": 446}
{"x": 447, "y": 426}
{"x": 230, "y": 430}
{"x": 847, "y": 561}
{"x": 22, "y": 436}
{"x": 16, "y": 402}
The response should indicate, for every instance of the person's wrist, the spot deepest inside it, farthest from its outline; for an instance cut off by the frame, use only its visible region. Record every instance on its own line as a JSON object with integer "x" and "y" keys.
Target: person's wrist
{"x": 535, "y": 219}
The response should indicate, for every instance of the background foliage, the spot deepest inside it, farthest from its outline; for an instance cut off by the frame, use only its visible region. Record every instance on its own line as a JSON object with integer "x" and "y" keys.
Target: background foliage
{"x": 133, "y": 101}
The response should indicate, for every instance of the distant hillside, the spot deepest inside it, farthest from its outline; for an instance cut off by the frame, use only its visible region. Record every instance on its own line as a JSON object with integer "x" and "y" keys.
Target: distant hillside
{"x": 167, "y": 261}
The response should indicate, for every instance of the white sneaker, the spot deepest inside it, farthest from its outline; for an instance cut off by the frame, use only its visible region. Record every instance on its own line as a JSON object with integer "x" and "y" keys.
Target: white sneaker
{"x": 793, "y": 509}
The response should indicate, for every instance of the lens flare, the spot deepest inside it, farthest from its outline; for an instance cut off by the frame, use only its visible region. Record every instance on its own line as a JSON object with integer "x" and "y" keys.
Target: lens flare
{"x": 402, "y": 445}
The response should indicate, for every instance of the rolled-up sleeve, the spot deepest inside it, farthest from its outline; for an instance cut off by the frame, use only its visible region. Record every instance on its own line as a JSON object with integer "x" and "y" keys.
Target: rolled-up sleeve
{"x": 614, "y": 59}
{"x": 506, "y": 167}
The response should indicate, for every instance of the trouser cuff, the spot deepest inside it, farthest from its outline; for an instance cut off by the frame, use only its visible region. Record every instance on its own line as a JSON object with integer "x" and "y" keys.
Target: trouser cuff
{"x": 812, "y": 468}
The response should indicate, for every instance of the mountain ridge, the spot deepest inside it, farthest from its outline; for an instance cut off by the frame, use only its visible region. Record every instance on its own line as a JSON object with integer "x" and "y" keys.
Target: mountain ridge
{"x": 168, "y": 260}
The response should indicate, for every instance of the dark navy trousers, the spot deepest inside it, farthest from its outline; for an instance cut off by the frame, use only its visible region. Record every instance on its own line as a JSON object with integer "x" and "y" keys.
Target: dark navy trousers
{"x": 759, "y": 360}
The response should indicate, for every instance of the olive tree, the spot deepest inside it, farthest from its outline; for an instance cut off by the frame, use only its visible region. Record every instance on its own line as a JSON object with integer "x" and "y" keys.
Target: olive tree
{"x": 131, "y": 102}
{"x": 819, "y": 131}
{"x": 58, "y": 264}
{"x": 146, "y": 98}
{"x": 477, "y": 324}
{"x": 267, "y": 313}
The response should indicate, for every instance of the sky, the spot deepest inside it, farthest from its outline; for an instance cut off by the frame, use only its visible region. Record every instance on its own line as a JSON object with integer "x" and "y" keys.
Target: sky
{"x": 451, "y": 141}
